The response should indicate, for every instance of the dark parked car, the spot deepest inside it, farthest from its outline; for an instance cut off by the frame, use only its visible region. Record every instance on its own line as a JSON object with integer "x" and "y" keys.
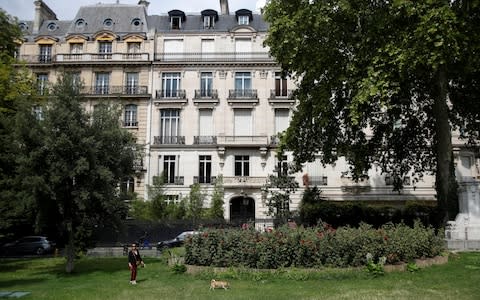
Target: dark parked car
{"x": 28, "y": 245}
{"x": 177, "y": 241}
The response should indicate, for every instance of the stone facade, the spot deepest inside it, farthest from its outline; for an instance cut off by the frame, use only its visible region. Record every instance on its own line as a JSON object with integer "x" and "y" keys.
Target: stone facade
{"x": 202, "y": 95}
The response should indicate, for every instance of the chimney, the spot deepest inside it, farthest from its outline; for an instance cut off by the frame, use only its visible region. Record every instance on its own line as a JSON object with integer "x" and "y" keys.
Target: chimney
{"x": 42, "y": 13}
{"x": 144, "y": 3}
{"x": 224, "y": 7}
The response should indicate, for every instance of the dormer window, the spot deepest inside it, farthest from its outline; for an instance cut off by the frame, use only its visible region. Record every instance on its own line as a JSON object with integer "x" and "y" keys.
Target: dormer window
{"x": 209, "y": 17}
{"x": 52, "y": 26}
{"x": 244, "y": 16}
{"x": 80, "y": 24}
{"x": 23, "y": 26}
{"x": 177, "y": 17}
{"x": 243, "y": 20}
{"x": 108, "y": 23}
{"x": 136, "y": 22}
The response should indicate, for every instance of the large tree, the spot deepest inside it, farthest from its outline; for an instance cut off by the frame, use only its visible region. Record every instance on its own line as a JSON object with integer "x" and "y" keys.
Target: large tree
{"x": 72, "y": 164}
{"x": 380, "y": 81}
{"x": 16, "y": 89}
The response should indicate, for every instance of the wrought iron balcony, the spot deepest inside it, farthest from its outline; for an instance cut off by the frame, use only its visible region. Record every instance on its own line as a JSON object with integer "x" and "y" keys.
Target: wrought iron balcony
{"x": 175, "y": 180}
{"x": 242, "y": 94}
{"x": 204, "y": 179}
{"x": 205, "y": 140}
{"x": 206, "y": 94}
{"x": 115, "y": 90}
{"x": 213, "y": 56}
{"x": 130, "y": 124}
{"x": 86, "y": 57}
{"x": 169, "y": 140}
{"x": 281, "y": 94}
{"x": 254, "y": 140}
{"x": 318, "y": 180}
{"x": 170, "y": 94}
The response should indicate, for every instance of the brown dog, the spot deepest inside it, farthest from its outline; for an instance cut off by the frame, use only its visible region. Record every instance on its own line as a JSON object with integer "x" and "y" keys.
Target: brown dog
{"x": 217, "y": 284}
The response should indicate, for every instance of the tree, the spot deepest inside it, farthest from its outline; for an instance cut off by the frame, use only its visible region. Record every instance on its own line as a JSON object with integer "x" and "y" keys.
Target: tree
{"x": 74, "y": 164}
{"x": 374, "y": 80}
{"x": 280, "y": 187}
{"x": 16, "y": 91}
{"x": 195, "y": 203}
{"x": 216, "y": 209}
{"x": 158, "y": 204}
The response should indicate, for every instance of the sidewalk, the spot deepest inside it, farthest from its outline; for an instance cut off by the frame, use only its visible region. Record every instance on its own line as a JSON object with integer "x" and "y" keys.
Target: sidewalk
{"x": 119, "y": 251}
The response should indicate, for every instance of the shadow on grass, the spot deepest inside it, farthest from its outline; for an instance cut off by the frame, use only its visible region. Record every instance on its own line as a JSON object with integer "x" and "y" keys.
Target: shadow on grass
{"x": 20, "y": 282}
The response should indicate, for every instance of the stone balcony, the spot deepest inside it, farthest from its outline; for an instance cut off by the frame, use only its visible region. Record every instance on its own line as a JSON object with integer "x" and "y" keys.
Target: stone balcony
{"x": 232, "y": 140}
{"x": 244, "y": 182}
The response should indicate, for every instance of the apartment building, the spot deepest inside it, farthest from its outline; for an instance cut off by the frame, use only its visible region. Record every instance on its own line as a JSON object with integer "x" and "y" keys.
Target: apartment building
{"x": 202, "y": 94}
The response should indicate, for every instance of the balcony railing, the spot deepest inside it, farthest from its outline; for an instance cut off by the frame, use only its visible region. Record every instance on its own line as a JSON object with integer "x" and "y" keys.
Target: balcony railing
{"x": 318, "y": 180}
{"x": 170, "y": 94}
{"x": 213, "y": 56}
{"x": 242, "y": 94}
{"x": 130, "y": 124}
{"x": 281, "y": 94}
{"x": 206, "y": 94}
{"x": 169, "y": 140}
{"x": 115, "y": 90}
{"x": 244, "y": 181}
{"x": 101, "y": 57}
{"x": 204, "y": 179}
{"x": 175, "y": 180}
{"x": 205, "y": 140}
{"x": 243, "y": 140}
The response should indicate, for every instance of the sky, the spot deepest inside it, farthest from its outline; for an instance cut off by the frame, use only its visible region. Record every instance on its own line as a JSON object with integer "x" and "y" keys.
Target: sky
{"x": 67, "y": 9}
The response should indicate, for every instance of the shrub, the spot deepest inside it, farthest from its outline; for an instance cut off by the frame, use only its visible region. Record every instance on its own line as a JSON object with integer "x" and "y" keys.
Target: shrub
{"x": 312, "y": 247}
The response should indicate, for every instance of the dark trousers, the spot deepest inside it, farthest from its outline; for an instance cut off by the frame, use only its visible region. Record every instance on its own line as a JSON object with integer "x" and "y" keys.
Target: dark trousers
{"x": 133, "y": 272}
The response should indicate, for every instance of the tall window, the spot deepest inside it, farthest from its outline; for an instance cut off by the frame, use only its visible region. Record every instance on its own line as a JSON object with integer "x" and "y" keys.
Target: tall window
{"x": 176, "y": 22}
{"x": 132, "y": 83}
{"x": 170, "y": 85}
{"x": 169, "y": 168}
{"x": 127, "y": 188}
{"x": 169, "y": 126}
{"x": 242, "y": 165}
{"x": 173, "y": 49}
{"x": 42, "y": 83}
{"x": 243, "y": 48}
{"x": 281, "y": 119}
{"x": 130, "y": 115}
{"x": 208, "y": 22}
{"x": 205, "y": 169}
{"x": 38, "y": 112}
{"x": 133, "y": 47}
{"x": 280, "y": 85}
{"x": 208, "y": 48}
{"x": 76, "y": 48}
{"x": 243, "y": 84}
{"x": 243, "y": 122}
{"x": 282, "y": 166}
{"x": 101, "y": 83}
{"x": 105, "y": 49}
{"x": 45, "y": 53}
{"x": 206, "y": 82}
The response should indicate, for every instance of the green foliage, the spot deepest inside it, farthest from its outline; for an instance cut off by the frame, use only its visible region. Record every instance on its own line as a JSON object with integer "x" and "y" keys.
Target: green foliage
{"x": 375, "y": 269}
{"x": 195, "y": 202}
{"x": 412, "y": 267}
{"x": 178, "y": 268}
{"x": 216, "y": 209}
{"x": 382, "y": 67}
{"x": 311, "y": 247}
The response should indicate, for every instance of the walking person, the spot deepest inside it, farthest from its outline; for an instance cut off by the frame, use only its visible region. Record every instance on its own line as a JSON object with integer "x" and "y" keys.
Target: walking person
{"x": 134, "y": 260}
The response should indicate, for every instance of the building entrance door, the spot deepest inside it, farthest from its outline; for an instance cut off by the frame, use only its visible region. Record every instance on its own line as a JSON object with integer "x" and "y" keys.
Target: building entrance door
{"x": 242, "y": 210}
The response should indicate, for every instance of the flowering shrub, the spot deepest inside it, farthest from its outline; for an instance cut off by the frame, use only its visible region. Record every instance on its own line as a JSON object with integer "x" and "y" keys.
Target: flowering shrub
{"x": 311, "y": 247}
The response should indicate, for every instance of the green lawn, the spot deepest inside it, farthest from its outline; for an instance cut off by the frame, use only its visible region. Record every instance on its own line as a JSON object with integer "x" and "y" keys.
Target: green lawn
{"x": 108, "y": 278}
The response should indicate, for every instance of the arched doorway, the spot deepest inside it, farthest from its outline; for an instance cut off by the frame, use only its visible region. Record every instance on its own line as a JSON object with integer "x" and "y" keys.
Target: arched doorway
{"x": 242, "y": 210}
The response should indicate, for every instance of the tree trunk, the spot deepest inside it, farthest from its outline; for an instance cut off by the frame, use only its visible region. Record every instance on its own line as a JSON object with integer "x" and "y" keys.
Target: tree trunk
{"x": 443, "y": 144}
{"x": 70, "y": 249}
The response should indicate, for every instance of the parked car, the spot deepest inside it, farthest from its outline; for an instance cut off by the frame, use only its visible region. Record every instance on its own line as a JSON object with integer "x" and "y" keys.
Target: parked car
{"x": 29, "y": 245}
{"x": 177, "y": 241}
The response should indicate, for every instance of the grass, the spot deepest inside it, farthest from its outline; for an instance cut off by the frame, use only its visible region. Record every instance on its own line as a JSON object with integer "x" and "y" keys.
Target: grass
{"x": 107, "y": 278}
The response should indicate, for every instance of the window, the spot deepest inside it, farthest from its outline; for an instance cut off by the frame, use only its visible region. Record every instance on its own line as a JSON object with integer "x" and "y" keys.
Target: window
{"x": 130, "y": 116}
{"x": 242, "y": 165}
{"x": 106, "y": 49}
{"x": 127, "y": 188}
{"x": 281, "y": 119}
{"x": 52, "y": 26}
{"x": 136, "y": 22}
{"x": 132, "y": 83}
{"x": 280, "y": 85}
{"x": 243, "y": 84}
{"x": 208, "y": 22}
{"x": 208, "y": 48}
{"x": 108, "y": 23}
{"x": 133, "y": 47}
{"x": 282, "y": 166}
{"x": 169, "y": 168}
{"x": 80, "y": 24}
{"x": 205, "y": 127}
{"x": 171, "y": 85}
{"x": 77, "y": 80}
{"x": 38, "y": 112}
{"x": 170, "y": 126}
{"x": 243, "y": 49}
{"x": 45, "y": 53}
{"x": 176, "y": 22}
{"x": 206, "y": 82}
{"x": 76, "y": 48}
{"x": 42, "y": 83}
{"x": 173, "y": 49}
{"x": 243, "y": 20}
{"x": 205, "y": 169}
{"x": 23, "y": 26}
{"x": 101, "y": 83}
{"x": 243, "y": 122}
